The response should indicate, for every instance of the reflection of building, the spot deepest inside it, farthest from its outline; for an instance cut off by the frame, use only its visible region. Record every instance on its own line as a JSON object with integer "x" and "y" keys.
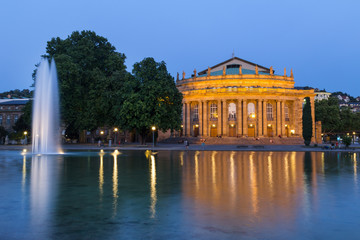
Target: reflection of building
{"x": 10, "y": 112}
{"x": 239, "y": 98}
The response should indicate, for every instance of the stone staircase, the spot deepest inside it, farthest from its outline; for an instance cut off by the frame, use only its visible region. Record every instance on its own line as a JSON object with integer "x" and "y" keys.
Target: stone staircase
{"x": 237, "y": 141}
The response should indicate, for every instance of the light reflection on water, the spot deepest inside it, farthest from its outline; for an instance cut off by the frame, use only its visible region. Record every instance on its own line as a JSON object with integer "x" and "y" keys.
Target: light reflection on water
{"x": 202, "y": 194}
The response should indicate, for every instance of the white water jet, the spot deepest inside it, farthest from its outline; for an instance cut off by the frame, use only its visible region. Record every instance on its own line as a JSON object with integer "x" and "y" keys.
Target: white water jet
{"x": 45, "y": 121}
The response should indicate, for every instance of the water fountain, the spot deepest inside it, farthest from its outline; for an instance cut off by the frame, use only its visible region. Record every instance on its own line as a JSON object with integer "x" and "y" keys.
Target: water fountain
{"x": 45, "y": 122}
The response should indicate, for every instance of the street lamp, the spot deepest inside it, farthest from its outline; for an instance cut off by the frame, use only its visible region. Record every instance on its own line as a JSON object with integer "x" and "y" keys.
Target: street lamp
{"x": 354, "y": 137}
{"x": 153, "y": 128}
{"x": 115, "y": 130}
{"x": 25, "y": 141}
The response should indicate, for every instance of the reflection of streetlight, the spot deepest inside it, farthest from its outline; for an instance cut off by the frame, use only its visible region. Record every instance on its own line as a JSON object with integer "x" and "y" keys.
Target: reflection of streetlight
{"x": 25, "y": 141}
{"x": 153, "y": 128}
{"x": 115, "y": 130}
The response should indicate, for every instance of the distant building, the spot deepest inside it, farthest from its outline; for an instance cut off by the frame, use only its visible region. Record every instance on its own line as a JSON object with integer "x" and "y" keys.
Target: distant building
{"x": 343, "y": 98}
{"x": 10, "y": 112}
{"x": 321, "y": 95}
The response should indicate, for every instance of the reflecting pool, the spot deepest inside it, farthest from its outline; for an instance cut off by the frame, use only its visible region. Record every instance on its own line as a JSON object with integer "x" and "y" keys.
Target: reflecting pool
{"x": 179, "y": 195}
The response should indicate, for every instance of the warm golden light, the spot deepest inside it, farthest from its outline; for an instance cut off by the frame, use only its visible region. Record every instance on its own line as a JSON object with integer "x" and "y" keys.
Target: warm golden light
{"x": 153, "y": 194}
{"x": 347, "y": 134}
{"x": 213, "y": 125}
{"x": 353, "y": 133}
{"x": 153, "y": 128}
{"x": 292, "y": 131}
{"x": 197, "y": 125}
{"x": 101, "y": 132}
{"x": 182, "y": 126}
{"x": 25, "y": 133}
{"x": 251, "y": 125}
{"x": 269, "y": 125}
{"x": 286, "y": 125}
{"x": 115, "y": 129}
{"x": 252, "y": 115}
{"x": 232, "y": 125}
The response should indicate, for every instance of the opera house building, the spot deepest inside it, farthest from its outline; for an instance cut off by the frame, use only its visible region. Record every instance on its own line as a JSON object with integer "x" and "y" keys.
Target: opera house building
{"x": 238, "y": 98}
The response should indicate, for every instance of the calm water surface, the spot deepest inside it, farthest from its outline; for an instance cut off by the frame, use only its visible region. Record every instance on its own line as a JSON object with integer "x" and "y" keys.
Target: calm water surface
{"x": 180, "y": 195}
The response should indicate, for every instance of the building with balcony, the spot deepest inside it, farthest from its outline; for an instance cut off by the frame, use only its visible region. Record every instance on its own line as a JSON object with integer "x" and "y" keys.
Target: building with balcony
{"x": 238, "y": 98}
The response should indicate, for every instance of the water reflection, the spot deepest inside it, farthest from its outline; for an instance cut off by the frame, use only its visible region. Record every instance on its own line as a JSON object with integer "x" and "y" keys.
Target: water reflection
{"x": 43, "y": 190}
{"x": 183, "y": 195}
{"x": 152, "y": 166}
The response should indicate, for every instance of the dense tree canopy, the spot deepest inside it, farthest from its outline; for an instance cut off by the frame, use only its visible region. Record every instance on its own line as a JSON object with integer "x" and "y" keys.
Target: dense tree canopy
{"x": 90, "y": 71}
{"x": 150, "y": 99}
{"x": 335, "y": 119}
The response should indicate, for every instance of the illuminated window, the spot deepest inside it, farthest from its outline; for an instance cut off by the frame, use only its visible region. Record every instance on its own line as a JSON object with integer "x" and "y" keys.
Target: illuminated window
{"x": 269, "y": 112}
{"x": 213, "y": 111}
{"x": 15, "y": 118}
{"x": 196, "y": 111}
{"x": 286, "y": 110}
{"x": 232, "y": 111}
{"x": 251, "y": 109}
{"x": 8, "y": 119}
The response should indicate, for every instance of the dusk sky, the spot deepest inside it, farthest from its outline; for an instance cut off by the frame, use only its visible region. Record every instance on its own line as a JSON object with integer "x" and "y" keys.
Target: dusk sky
{"x": 320, "y": 40}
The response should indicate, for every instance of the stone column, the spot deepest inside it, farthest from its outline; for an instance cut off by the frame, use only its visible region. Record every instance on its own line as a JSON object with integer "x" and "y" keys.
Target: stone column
{"x": 245, "y": 118}
{"x": 264, "y": 119}
{"x": 298, "y": 117}
{"x": 259, "y": 118}
{"x": 184, "y": 119}
{"x": 206, "y": 119}
{"x": 225, "y": 118}
{"x": 282, "y": 118}
{"x": 219, "y": 117}
{"x": 201, "y": 124}
{"x": 239, "y": 117}
{"x": 188, "y": 119}
{"x": 312, "y": 104}
{"x": 278, "y": 118}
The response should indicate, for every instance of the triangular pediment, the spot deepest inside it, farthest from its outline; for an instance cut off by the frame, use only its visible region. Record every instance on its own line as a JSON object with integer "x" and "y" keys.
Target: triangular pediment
{"x": 235, "y": 62}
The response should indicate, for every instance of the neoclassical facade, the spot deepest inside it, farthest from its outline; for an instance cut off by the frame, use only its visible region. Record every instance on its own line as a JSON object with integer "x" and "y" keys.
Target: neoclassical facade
{"x": 238, "y": 98}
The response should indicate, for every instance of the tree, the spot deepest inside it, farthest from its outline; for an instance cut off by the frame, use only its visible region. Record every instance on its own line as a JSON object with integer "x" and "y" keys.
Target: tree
{"x": 347, "y": 140}
{"x": 150, "y": 98}
{"x": 307, "y": 122}
{"x": 328, "y": 112}
{"x": 90, "y": 72}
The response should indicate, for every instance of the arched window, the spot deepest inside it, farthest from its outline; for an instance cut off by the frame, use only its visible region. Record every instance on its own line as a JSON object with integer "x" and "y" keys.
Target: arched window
{"x": 286, "y": 110}
{"x": 269, "y": 112}
{"x": 213, "y": 111}
{"x": 232, "y": 111}
{"x": 196, "y": 112}
{"x": 251, "y": 110}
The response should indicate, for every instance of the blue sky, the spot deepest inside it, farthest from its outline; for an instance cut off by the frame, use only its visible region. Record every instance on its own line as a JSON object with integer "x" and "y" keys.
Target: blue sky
{"x": 320, "y": 39}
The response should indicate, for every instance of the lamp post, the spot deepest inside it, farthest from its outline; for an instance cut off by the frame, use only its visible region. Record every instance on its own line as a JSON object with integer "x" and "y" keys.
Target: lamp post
{"x": 153, "y": 128}
{"x": 25, "y": 140}
{"x": 116, "y": 130}
{"x": 353, "y": 137}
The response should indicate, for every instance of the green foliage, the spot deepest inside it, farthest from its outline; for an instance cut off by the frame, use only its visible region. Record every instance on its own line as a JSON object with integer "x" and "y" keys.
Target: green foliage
{"x": 150, "y": 98}
{"x": 334, "y": 119}
{"x": 3, "y": 132}
{"x": 347, "y": 140}
{"x": 25, "y": 93}
{"x": 328, "y": 112}
{"x": 307, "y": 122}
{"x": 90, "y": 72}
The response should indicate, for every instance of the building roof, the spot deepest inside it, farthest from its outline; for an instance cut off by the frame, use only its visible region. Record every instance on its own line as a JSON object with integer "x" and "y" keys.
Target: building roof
{"x": 231, "y": 59}
{"x": 15, "y": 102}
{"x": 233, "y": 71}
